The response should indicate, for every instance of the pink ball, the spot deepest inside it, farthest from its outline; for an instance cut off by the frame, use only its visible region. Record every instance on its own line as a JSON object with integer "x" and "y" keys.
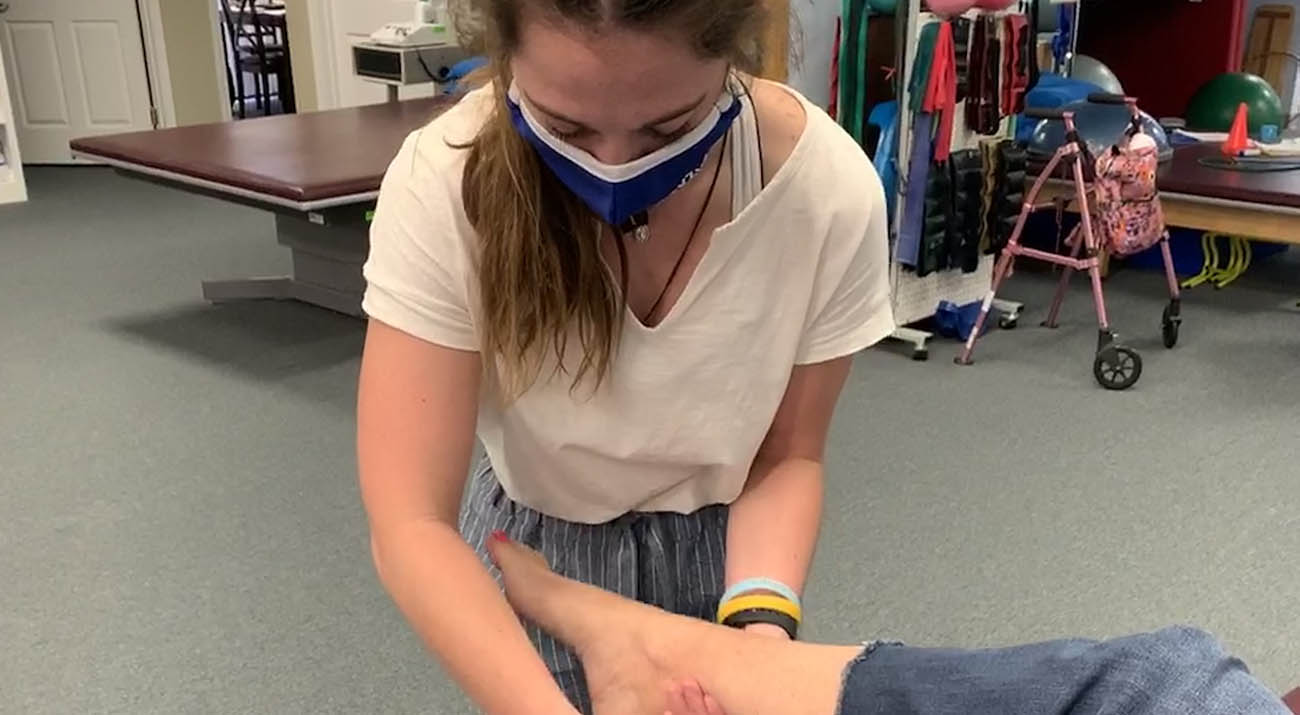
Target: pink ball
{"x": 949, "y": 8}
{"x": 994, "y": 4}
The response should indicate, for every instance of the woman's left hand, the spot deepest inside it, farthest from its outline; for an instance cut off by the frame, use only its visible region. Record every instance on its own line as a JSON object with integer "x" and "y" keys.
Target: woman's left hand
{"x": 688, "y": 698}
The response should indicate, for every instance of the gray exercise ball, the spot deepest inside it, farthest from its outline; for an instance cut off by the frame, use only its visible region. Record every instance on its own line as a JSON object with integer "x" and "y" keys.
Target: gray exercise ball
{"x": 1088, "y": 69}
{"x": 1100, "y": 125}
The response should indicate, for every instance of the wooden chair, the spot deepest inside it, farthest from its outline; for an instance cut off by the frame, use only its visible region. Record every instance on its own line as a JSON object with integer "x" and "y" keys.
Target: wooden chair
{"x": 258, "y": 50}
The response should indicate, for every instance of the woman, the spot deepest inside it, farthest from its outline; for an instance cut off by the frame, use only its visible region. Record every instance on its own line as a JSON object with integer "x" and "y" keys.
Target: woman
{"x": 631, "y": 651}
{"x": 641, "y": 273}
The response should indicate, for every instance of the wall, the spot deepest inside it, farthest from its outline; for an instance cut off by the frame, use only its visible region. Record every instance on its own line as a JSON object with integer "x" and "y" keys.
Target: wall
{"x": 301, "y": 55}
{"x": 191, "y": 52}
{"x": 812, "y": 29}
{"x": 813, "y": 33}
{"x": 1289, "y": 98}
{"x": 1134, "y": 40}
{"x": 816, "y": 23}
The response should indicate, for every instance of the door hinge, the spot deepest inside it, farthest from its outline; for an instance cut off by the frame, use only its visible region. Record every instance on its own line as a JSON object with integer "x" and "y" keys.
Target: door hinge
{"x": 153, "y": 117}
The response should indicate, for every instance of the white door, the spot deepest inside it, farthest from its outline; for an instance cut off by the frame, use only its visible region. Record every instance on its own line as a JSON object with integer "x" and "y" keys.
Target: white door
{"x": 12, "y": 188}
{"x": 351, "y": 21}
{"x": 76, "y": 68}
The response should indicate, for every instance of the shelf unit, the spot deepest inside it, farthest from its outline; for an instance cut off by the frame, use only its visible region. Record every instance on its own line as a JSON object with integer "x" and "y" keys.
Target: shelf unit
{"x": 916, "y": 298}
{"x": 13, "y": 188}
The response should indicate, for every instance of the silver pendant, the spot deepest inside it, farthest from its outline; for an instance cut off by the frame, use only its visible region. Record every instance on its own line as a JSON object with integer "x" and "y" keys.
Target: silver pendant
{"x": 641, "y": 233}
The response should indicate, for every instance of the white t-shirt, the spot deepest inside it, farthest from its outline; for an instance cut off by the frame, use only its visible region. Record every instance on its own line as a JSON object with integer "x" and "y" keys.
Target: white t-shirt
{"x": 799, "y": 276}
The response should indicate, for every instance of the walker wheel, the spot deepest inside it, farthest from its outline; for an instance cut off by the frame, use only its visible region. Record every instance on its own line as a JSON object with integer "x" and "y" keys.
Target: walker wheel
{"x": 1008, "y": 322}
{"x": 1169, "y": 329}
{"x": 1117, "y": 367}
{"x": 921, "y": 354}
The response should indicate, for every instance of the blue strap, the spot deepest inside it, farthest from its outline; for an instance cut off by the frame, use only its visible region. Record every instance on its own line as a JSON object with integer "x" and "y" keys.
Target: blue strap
{"x": 762, "y": 584}
{"x": 913, "y": 223}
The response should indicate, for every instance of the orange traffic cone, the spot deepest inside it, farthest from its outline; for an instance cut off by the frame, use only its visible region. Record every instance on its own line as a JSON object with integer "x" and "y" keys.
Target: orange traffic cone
{"x": 1238, "y": 141}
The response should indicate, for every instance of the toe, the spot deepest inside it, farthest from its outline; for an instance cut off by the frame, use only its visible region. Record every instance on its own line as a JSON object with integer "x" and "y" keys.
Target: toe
{"x": 513, "y": 557}
{"x": 497, "y": 544}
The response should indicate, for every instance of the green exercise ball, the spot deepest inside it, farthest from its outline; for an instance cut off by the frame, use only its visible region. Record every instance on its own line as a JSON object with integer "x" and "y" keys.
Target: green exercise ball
{"x": 883, "y": 7}
{"x": 1215, "y": 104}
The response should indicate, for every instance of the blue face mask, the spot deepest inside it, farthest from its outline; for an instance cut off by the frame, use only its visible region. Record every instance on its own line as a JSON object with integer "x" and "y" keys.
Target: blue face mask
{"x": 617, "y": 192}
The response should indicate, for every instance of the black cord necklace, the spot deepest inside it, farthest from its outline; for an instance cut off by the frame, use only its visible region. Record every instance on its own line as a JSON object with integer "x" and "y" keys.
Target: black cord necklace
{"x": 690, "y": 239}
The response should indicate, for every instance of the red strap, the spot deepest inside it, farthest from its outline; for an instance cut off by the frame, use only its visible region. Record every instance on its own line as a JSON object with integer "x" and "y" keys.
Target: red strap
{"x": 941, "y": 95}
{"x": 1015, "y": 80}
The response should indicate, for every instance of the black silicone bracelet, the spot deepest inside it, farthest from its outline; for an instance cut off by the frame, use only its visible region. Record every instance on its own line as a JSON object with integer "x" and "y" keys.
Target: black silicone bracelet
{"x": 752, "y": 616}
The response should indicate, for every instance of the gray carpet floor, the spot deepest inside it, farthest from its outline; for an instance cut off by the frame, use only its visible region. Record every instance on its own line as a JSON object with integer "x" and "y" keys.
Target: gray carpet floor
{"x": 180, "y": 529}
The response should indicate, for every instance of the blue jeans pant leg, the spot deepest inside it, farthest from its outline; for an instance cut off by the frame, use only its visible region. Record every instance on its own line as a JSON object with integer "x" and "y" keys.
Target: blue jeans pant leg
{"x": 1177, "y": 670}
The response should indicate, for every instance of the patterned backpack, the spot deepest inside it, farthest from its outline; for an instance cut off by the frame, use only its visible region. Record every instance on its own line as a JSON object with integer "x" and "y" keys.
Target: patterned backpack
{"x": 1128, "y": 217}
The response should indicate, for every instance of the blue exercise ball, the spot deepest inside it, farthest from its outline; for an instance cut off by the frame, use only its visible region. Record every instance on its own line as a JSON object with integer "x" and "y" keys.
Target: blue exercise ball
{"x": 1088, "y": 69}
{"x": 1100, "y": 125}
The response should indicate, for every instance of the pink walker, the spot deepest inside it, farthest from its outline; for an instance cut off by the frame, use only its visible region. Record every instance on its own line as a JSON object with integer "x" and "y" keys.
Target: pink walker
{"x": 1116, "y": 366}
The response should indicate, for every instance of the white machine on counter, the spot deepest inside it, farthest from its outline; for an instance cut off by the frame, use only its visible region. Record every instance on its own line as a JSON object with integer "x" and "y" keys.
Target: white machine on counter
{"x": 401, "y": 54}
{"x": 410, "y": 34}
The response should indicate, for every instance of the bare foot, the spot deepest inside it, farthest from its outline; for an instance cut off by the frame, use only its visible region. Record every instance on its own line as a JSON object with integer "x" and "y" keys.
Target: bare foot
{"x": 606, "y": 630}
{"x": 642, "y": 660}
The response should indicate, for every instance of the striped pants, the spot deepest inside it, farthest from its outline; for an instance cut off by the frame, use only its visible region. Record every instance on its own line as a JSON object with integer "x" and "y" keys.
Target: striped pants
{"x": 672, "y": 561}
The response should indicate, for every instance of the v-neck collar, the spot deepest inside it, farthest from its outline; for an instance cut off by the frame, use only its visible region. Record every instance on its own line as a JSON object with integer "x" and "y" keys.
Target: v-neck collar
{"x": 724, "y": 239}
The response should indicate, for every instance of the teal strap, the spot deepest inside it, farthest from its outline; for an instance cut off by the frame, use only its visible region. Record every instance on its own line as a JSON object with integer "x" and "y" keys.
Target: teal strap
{"x": 916, "y": 89}
{"x": 843, "y": 98}
{"x": 762, "y": 584}
{"x": 864, "y": 75}
{"x": 851, "y": 84}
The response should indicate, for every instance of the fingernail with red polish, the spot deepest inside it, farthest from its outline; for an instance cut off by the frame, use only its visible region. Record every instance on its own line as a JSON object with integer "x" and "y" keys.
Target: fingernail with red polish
{"x": 500, "y": 535}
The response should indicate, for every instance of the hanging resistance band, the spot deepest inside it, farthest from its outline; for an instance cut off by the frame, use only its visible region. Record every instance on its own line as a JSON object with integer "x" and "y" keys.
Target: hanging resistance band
{"x": 918, "y": 172}
{"x": 982, "y": 115}
{"x": 1015, "y": 71}
{"x": 834, "y": 109}
{"x": 941, "y": 96}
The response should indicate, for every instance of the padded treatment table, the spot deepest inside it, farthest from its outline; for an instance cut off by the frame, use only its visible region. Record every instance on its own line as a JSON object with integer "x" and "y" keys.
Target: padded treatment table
{"x": 1263, "y": 205}
{"x": 319, "y": 173}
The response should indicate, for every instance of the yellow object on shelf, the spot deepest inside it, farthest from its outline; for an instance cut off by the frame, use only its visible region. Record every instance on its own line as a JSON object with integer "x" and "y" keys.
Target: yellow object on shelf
{"x": 1238, "y": 260}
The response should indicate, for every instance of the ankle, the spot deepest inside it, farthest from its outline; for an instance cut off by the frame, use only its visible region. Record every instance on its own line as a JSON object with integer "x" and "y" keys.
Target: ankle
{"x": 667, "y": 638}
{"x": 658, "y": 649}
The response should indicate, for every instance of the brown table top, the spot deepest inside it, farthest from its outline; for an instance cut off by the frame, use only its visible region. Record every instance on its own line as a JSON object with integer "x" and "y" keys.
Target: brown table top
{"x": 299, "y": 157}
{"x": 1185, "y": 175}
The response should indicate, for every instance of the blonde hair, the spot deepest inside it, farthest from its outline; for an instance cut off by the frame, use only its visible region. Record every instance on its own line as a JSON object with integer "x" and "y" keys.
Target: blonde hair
{"x": 542, "y": 279}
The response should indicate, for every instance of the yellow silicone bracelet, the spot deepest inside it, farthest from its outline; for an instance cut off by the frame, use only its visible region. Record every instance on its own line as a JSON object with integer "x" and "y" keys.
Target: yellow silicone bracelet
{"x": 780, "y": 604}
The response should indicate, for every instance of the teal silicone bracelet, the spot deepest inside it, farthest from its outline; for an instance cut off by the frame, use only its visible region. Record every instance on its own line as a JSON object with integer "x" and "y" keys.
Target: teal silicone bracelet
{"x": 762, "y": 584}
